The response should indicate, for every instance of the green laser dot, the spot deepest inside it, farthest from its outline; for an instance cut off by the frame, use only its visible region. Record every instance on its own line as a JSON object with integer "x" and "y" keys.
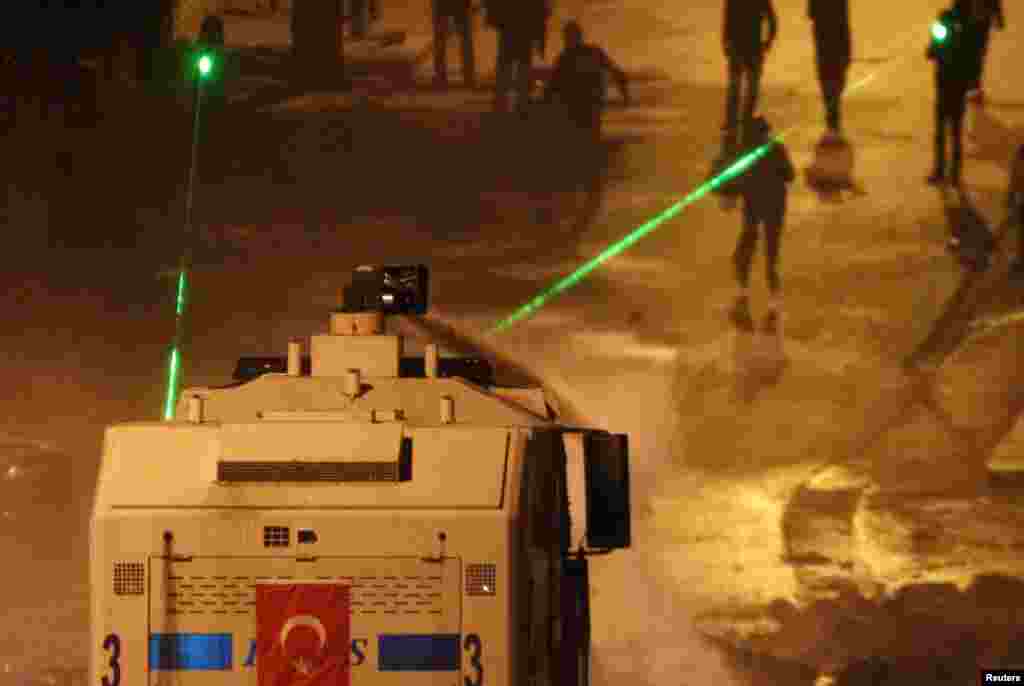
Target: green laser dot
{"x": 939, "y": 31}
{"x": 205, "y": 65}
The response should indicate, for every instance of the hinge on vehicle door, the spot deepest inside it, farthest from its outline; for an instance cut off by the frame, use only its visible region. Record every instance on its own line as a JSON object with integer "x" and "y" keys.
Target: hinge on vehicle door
{"x": 441, "y": 538}
{"x": 178, "y": 558}
{"x": 169, "y": 555}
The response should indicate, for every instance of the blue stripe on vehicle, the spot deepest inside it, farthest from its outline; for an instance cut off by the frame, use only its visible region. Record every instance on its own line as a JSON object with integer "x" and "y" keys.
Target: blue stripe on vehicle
{"x": 418, "y": 652}
{"x": 189, "y": 651}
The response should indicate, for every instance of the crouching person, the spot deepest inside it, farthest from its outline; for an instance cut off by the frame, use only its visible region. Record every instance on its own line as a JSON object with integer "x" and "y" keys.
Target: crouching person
{"x": 579, "y": 81}
{"x": 578, "y": 85}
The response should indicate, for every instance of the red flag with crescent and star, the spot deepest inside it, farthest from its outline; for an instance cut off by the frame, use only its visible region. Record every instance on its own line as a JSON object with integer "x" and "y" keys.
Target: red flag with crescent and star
{"x": 303, "y": 634}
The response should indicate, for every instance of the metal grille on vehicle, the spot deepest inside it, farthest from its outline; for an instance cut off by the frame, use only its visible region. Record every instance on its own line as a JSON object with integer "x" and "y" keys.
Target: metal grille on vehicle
{"x": 275, "y": 536}
{"x": 307, "y": 471}
{"x": 129, "y": 578}
{"x": 481, "y": 578}
{"x": 371, "y": 595}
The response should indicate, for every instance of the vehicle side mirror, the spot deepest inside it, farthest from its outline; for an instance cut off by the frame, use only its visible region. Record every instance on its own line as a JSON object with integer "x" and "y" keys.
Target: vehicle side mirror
{"x": 607, "y": 483}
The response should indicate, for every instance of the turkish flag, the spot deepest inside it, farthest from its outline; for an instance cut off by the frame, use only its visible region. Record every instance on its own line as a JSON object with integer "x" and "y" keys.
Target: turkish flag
{"x": 303, "y": 634}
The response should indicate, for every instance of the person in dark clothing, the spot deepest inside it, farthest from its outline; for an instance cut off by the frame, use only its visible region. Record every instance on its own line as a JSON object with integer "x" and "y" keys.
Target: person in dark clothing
{"x": 155, "y": 30}
{"x": 522, "y": 29}
{"x": 358, "y": 23}
{"x": 211, "y": 40}
{"x": 1015, "y": 206}
{"x": 67, "y": 32}
{"x": 578, "y": 84}
{"x": 460, "y": 13}
{"x": 68, "y": 83}
{"x": 831, "y": 20}
{"x": 363, "y": 12}
{"x": 8, "y": 88}
{"x": 986, "y": 13}
{"x": 763, "y": 189}
{"x": 579, "y": 81}
{"x": 956, "y": 50}
{"x": 745, "y": 45}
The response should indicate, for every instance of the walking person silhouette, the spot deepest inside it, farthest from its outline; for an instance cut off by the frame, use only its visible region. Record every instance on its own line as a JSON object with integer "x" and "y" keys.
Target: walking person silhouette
{"x": 956, "y": 49}
{"x": 763, "y": 189}
{"x": 831, "y": 20}
{"x": 745, "y": 47}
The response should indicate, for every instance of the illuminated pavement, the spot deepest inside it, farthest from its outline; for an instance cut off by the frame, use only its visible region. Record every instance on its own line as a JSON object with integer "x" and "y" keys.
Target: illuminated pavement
{"x": 766, "y": 466}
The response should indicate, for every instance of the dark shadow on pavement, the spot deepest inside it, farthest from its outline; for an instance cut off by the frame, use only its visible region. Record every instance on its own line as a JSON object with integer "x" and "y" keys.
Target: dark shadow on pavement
{"x": 267, "y": 76}
{"x": 971, "y": 237}
{"x": 562, "y": 178}
{"x": 974, "y": 243}
{"x": 996, "y": 357}
{"x": 760, "y": 359}
{"x": 830, "y": 173}
{"x": 299, "y": 172}
{"x": 987, "y": 138}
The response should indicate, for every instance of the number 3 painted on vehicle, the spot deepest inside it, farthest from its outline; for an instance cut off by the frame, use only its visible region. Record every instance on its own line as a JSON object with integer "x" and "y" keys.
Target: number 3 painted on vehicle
{"x": 113, "y": 644}
{"x": 476, "y": 648}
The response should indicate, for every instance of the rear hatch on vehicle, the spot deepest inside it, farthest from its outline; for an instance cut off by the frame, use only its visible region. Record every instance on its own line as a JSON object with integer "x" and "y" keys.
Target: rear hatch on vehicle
{"x": 405, "y": 617}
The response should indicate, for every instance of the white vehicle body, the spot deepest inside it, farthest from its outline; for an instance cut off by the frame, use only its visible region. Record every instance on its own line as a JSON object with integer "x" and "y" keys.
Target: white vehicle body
{"x": 441, "y": 505}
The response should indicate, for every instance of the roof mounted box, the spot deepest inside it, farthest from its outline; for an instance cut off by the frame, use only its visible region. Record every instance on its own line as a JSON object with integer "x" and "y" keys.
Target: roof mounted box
{"x": 372, "y": 355}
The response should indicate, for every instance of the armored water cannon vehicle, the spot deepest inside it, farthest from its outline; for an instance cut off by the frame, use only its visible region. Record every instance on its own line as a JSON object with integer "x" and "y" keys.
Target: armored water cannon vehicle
{"x": 353, "y": 516}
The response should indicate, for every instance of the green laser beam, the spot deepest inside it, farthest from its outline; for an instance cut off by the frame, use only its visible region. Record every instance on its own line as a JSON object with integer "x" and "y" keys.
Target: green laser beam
{"x": 180, "y": 307}
{"x": 729, "y": 173}
{"x": 174, "y": 365}
{"x": 732, "y": 171}
{"x": 205, "y": 64}
{"x": 172, "y": 385}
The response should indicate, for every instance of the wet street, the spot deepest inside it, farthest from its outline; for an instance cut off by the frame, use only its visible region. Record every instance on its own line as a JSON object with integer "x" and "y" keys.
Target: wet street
{"x": 813, "y": 503}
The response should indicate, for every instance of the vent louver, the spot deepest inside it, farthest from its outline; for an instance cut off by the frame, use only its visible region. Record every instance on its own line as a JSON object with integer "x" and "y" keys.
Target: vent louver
{"x": 308, "y": 471}
{"x": 370, "y": 595}
{"x": 481, "y": 578}
{"x": 129, "y": 578}
{"x": 276, "y": 537}
{"x": 336, "y": 451}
